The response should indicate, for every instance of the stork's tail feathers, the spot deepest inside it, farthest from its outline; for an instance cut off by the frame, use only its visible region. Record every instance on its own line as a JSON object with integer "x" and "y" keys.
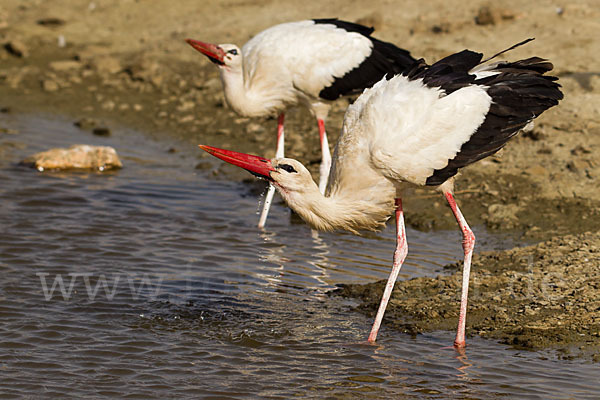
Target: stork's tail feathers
{"x": 520, "y": 92}
{"x": 449, "y": 74}
{"x": 456, "y": 70}
{"x": 522, "y": 85}
{"x": 514, "y": 46}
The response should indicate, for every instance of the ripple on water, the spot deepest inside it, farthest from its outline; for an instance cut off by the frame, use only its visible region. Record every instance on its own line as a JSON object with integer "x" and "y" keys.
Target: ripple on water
{"x": 169, "y": 291}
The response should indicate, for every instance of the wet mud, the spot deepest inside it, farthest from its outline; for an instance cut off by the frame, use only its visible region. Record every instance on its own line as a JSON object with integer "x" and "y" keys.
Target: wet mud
{"x": 534, "y": 297}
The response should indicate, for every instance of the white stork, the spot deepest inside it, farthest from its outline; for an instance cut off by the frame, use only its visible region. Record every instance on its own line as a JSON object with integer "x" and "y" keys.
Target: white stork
{"x": 310, "y": 62}
{"x": 418, "y": 128}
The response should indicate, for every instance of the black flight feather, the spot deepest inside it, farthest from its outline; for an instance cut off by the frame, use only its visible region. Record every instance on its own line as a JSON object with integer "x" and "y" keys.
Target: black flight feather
{"x": 520, "y": 92}
{"x": 385, "y": 59}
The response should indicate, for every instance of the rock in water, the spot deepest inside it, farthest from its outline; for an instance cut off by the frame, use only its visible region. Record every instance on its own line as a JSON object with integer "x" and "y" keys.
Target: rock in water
{"x": 78, "y": 156}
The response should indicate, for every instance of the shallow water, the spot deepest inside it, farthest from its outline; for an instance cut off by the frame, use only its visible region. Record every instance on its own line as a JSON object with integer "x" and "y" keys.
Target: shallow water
{"x": 169, "y": 291}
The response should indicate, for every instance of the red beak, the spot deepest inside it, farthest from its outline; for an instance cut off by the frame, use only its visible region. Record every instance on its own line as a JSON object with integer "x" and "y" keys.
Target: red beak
{"x": 212, "y": 51}
{"x": 256, "y": 165}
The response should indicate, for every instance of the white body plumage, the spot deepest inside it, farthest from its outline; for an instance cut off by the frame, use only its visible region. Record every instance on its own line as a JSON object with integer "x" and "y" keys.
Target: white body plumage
{"x": 289, "y": 64}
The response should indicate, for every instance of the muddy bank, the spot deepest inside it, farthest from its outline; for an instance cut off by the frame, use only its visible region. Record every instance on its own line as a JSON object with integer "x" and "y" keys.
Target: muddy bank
{"x": 540, "y": 296}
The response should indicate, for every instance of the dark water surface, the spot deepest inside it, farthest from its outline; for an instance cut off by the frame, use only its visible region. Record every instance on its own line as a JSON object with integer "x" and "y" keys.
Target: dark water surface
{"x": 153, "y": 282}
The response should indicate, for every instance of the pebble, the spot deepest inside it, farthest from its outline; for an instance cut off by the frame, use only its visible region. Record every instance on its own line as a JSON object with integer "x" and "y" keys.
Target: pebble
{"x": 529, "y": 311}
{"x": 577, "y": 165}
{"x": 49, "y": 85}
{"x": 536, "y": 170}
{"x": 186, "y": 119}
{"x": 8, "y": 131}
{"x": 186, "y": 106}
{"x": 204, "y": 165}
{"x": 65, "y": 65}
{"x": 504, "y": 215}
{"x": 156, "y": 80}
{"x": 86, "y": 123}
{"x": 101, "y": 131}
{"x": 51, "y": 21}
{"x": 107, "y": 65}
{"x": 108, "y": 105}
{"x": 213, "y": 84}
{"x": 580, "y": 149}
{"x": 491, "y": 16}
{"x": 441, "y": 28}
{"x": 253, "y": 128}
{"x": 485, "y": 17}
{"x": 17, "y": 48}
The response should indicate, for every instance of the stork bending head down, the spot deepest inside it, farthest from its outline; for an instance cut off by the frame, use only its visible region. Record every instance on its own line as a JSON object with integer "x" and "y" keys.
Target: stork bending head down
{"x": 310, "y": 62}
{"x": 418, "y": 128}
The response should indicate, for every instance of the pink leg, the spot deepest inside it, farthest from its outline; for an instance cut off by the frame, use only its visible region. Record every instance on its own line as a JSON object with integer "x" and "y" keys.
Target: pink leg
{"x": 278, "y": 154}
{"x": 326, "y": 157}
{"x": 399, "y": 256}
{"x": 468, "y": 245}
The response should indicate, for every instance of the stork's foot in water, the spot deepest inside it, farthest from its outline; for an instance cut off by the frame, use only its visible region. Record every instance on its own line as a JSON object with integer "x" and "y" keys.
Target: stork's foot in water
{"x": 462, "y": 352}
{"x": 468, "y": 246}
{"x": 399, "y": 257}
{"x": 361, "y": 343}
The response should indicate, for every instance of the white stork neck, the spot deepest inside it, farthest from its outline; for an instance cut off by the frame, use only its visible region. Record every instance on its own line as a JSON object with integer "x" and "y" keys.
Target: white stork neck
{"x": 255, "y": 97}
{"x": 339, "y": 211}
{"x": 235, "y": 90}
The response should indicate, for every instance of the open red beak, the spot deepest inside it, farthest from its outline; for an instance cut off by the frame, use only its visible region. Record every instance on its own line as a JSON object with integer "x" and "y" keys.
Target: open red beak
{"x": 256, "y": 165}
{"x": 212, "y": 51}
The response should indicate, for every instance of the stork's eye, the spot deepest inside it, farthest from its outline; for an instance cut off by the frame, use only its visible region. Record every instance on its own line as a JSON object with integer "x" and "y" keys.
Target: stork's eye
{"x": 233, "y": 51}
{"x": 287, "y": 167}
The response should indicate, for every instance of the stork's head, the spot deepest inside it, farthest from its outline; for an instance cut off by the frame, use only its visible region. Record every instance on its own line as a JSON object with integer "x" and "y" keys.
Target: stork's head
{"x": 223, "y": 55}
{"x": 287, "y": 174}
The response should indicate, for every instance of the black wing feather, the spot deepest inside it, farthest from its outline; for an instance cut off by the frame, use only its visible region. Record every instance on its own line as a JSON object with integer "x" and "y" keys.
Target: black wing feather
{"x": 520, "y": 92}
{"x": 385, "y": 59}
{"x": 345, "y": 25}
{"x": 449, "y": 74}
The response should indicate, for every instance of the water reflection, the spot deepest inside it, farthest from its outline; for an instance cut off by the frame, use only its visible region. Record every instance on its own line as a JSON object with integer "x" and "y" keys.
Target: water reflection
{"x": 315, "y": 276}
{"x": 238, "y": 313}
{"x": 461, "y": 356}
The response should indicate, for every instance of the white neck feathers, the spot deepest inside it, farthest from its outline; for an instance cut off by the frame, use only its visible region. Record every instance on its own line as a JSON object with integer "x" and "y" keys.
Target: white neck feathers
{"x": 339, "y": 211}
{"x": 251, "y": 97}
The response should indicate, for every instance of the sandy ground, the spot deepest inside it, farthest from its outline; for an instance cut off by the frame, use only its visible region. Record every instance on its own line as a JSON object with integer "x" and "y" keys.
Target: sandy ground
{"x": 126, "y": 62}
